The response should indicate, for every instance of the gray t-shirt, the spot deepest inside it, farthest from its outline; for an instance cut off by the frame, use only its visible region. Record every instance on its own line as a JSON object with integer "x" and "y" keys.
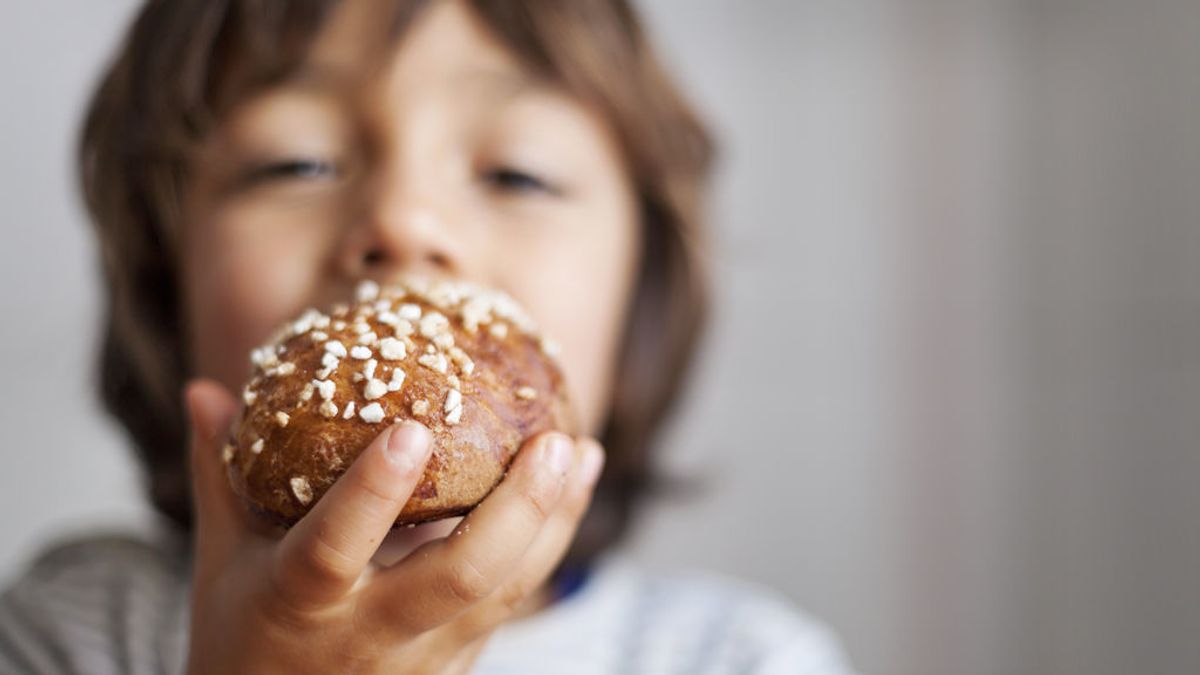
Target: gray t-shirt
{"x": 119, "y": 604}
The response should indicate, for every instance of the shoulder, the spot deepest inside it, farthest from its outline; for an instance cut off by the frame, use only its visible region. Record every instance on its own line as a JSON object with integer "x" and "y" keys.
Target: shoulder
{"x": 92, "y": 604}
{"x": 630, "y": 620}
{"x": 74, "y": 558}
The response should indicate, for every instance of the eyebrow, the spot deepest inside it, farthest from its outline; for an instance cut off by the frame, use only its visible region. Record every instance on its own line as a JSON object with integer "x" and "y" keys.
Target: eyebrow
{"x": 512, "y": 78}
{"x": 317, "y": 78}
{"x": 331, "y": 78}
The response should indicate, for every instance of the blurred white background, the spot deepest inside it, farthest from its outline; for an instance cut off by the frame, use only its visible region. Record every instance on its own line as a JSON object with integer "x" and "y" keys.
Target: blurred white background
{"x": 951, "y": 404}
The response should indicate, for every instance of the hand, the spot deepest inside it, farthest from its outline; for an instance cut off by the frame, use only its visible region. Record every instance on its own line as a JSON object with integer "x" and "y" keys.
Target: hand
{"x": 313, "y": 602}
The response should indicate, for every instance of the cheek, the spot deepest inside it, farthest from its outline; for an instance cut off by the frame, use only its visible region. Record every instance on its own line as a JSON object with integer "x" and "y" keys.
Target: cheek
{"x": 246, "y": 274}
{"x": 577, "y": 285}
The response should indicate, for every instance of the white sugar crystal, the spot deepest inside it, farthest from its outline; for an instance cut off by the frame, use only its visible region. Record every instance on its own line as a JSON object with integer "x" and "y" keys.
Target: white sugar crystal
{"x": 282, "y": 418}
{"x": 367, "y": 338}
{"x": 367, "y": 291}
{"x": 391, "y": 349}
{"x": 453, "y": 400}
{"x": 404, "y": 328}
{"x": 463, "y": 361}
{"x": 339, "y": 324}
{"x": 360, "y": 327}
{"x": 321, "y": 321}
{"x": 249, "y": 396}
{"x": 329, "y": 360}
{"x": 328, "y": 409}
{"x": 454, "y": 416}
{"x": 434, "y": 362}
{"x": 305, "y": 322}
{"x": 227, "y": 453}
{"x": 368, "y": 370}
{"x": 527, "y": 393}
{"x": 374, "y": 389}
{"x": 307, "y": 392}
{"x": 263, "y": 357}
{"x": 336, "y": 348}
{"x": 383, "y": 305}
{"x": 444, "y": 340}
{"x": 498, "y": 330}
{"x": 397, "y": 380}
{"x": 285, "y": 368}
{"x": 372, "y": 413}
{"x": 433, "y": 324}
{"x": 409, "y": 311}
{"x": 319, "y": 336}
{"x": 360, "y": 352}
{"x": 349, "y": 411}
{"x": 453, "y": 381}
{"x": 257, "y": 446}
{"x": 388, "y": 318}
{"x": 301, "y": 489}
{"x": 420, "y": 407}
{"x": 475, "y": 312}
{"x": 550, "y": 347}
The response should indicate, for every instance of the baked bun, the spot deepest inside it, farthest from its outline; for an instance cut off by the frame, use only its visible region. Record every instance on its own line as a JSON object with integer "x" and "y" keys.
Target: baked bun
{"x": 463, "y": 360}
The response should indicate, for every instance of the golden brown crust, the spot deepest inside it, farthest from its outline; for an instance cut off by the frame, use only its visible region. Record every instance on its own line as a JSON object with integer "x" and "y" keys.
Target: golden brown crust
{"x": 290, "y": 446}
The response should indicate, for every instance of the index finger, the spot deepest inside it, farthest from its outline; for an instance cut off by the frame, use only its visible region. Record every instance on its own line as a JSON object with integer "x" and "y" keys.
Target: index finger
{"x": 322, "y": 556}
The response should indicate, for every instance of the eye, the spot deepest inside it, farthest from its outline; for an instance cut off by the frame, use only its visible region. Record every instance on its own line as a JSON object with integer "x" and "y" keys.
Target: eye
{"x": 294, "y": 169}
{"x": 508, "y": 179}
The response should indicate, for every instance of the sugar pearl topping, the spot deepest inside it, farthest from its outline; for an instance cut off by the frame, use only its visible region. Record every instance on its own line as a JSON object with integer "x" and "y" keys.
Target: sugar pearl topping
{"x": 388, "y": 332}
{"x": 374, "y": 389}
{"x": 372, "y": 414}
{"x": 301, "y": 489}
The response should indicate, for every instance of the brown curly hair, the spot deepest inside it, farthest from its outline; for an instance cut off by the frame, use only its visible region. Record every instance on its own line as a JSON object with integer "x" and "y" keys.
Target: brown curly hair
{"x": 185, "y": 62}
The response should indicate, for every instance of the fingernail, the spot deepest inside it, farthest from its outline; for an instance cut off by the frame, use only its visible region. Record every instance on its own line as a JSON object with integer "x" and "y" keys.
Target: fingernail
{"x": 557, "y": 453}
{"x": 592, "y": 463}
{"x": 408, "y": 444}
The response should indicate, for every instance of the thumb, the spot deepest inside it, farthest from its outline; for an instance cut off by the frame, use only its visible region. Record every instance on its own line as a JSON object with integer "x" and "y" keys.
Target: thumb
{"x": 218, "y": 518}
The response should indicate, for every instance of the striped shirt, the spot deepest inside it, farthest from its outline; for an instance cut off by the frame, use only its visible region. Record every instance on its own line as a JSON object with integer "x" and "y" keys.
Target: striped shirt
{"x": 118, "y": 604}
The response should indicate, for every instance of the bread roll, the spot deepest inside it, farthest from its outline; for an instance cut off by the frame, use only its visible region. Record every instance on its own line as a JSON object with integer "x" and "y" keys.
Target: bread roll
{"x": 465, "y": 361}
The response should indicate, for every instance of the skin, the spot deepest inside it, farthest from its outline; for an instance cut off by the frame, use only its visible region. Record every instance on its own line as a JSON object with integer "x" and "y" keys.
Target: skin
{"x": 445, "y": 157}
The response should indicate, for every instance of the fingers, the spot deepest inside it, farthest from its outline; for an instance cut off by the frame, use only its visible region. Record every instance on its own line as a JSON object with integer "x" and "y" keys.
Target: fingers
{"x": 445, "y": 577}
{"x": 219, "y": 522}
{"x": 546, "y": 552}
{"x": 323, "y": 555}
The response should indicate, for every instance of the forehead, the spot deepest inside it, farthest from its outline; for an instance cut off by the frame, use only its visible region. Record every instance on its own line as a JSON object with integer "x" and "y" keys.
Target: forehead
{"x": 444, "y": 41}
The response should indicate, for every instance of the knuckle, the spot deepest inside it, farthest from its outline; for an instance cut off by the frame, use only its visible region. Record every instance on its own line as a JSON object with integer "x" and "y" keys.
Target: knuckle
{"x": 318, "y": 564}
{"x": 285, "y": 608}
{"x": 374, "y": 496}
{"x": 466, "y": 583}
{"x": 537, "y": 501}
{"x": 512, "y": 596}
{"x": 577, "y": 503}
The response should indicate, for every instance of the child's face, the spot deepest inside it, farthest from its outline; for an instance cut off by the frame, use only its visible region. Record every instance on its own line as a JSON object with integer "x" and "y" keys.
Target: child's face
{"x": 441, "y": 157}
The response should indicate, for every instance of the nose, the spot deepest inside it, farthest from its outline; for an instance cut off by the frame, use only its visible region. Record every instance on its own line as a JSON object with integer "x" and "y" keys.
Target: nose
{"x": 402, "y": 227}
